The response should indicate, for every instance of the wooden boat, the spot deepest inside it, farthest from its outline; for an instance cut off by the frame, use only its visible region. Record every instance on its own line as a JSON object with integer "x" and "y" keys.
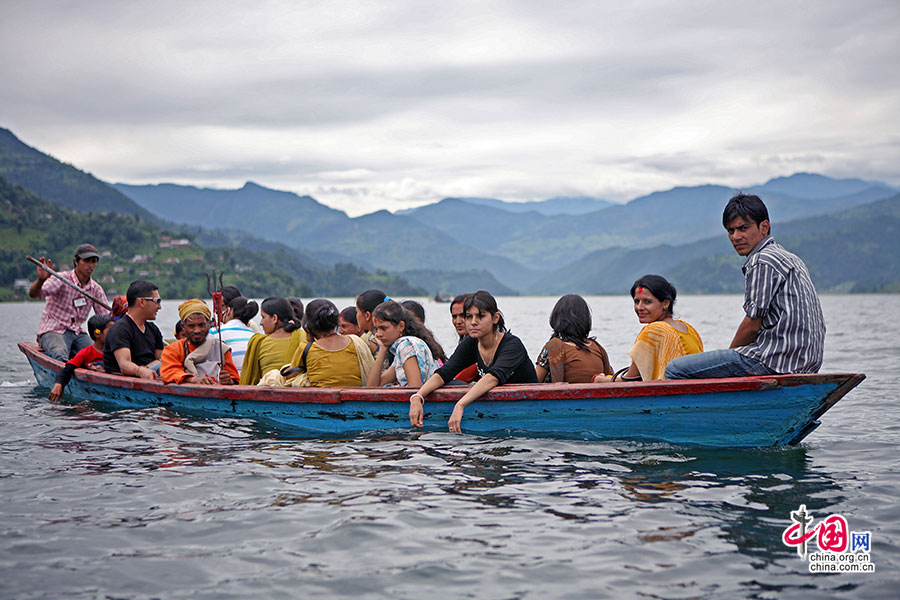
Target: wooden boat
{"x": 747, "y": 411}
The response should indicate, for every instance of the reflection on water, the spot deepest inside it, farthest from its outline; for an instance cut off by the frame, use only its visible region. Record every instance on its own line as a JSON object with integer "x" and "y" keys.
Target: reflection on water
{"x": 151, "y": 503}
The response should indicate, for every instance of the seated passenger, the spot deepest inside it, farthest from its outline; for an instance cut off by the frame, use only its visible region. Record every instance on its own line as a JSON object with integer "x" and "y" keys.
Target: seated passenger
{"x": 297, "y": 305}
{"x": 229, "y": 293}
{"x": 571, "y": 356}
{"x": 405, "y": 355}
{"x": 365, "y": 304}
{"x": 88, "y": 358}
{"x": 199, "y": 358}
{"x": 329, "y": 358}
{"x": 501, "y": 358}
{"x": 347, "y": 322}
{"x": 275, "y": 348}
{"x": 458, "y": 318}
{"x": 179, "y": 330}
{"x": 134, "y": 344}
{"x": 663, "y": 338}
{"x": 415, "y": 308}
{"x": 236, "y": 330}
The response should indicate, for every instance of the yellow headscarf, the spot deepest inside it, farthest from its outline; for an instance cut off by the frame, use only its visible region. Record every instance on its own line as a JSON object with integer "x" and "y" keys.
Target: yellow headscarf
{"x": 189, "y": 307}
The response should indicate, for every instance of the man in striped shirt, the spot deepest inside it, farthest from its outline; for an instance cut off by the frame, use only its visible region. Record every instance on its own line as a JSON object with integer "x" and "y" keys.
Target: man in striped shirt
{"x": 783, "y": 330}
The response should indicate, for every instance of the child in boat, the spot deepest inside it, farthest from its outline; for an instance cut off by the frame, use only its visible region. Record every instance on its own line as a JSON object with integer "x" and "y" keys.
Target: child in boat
{"x": 570, "y": 356}
{"x": 347, "y": 322}
{"x": 365, "y": 304}
{"x": 276, "y": 347}
{"x": 406, "y": 348}
{"x": 501, "y": 358}
{"x": 662, "y": 338}
{"x": 90, "y": 357}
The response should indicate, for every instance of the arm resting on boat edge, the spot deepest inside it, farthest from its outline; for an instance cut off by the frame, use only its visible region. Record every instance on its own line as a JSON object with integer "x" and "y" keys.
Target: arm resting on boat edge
{"x": 481, "y": 387}
{"x": 746, "y": 332}
{"x": 127, "y": 367}
{"x": 417, "y": 400}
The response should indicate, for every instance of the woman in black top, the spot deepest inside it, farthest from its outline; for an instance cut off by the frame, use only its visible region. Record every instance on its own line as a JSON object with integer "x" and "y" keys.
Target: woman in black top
{"x": 501, "y": 358}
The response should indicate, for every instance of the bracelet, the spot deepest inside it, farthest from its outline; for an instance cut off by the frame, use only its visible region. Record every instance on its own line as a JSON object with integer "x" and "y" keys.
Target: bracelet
{"x": 419, "y": 395}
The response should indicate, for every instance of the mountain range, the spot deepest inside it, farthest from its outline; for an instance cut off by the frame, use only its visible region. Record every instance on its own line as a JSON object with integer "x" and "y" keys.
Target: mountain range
{"x": 563, "y": 244}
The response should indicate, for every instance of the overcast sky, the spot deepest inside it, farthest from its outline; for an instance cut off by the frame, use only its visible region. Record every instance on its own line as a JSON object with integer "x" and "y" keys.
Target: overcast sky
{"x": 395, "y": 104}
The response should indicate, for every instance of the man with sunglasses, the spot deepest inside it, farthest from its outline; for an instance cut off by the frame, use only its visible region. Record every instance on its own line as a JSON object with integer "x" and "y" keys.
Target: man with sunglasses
{"x": 61, "y": 333}
{"x": 134, "y": 344}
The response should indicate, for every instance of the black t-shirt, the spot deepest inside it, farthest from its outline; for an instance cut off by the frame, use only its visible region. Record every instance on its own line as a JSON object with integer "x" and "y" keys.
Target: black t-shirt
{"x": 125, "y": 334}
{"x": 511, "y": 363}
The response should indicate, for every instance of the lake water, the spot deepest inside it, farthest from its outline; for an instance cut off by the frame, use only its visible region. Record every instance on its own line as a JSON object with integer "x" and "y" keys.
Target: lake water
{"x": 149, "y": 504}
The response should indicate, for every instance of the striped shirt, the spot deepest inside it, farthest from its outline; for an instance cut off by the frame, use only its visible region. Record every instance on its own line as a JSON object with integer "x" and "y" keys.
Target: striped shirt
{"x": 66, "y": 309}
{"x": 778, "y": 290}
{"x": 237, "y": 336}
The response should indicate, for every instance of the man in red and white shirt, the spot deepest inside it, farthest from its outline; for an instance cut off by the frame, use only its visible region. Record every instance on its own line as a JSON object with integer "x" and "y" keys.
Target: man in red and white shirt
{"x": 61, "y": 333}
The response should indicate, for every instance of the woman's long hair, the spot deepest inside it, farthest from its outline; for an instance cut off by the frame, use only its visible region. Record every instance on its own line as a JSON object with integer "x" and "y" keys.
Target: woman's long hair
{"x": 483, "y": 301}
{"x": 393, "y": 312}
{"x": 571, "y": 320}
{"x": 281, "y": 308}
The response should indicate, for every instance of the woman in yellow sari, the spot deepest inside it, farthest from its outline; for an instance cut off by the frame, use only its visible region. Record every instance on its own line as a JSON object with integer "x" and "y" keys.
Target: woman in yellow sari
{"x": 274, "y": 349}
{"x": 662, "y": 338}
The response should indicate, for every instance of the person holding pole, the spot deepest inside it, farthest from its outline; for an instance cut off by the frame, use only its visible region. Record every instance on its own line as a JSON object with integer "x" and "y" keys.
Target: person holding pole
{"x": 70, "y": 296}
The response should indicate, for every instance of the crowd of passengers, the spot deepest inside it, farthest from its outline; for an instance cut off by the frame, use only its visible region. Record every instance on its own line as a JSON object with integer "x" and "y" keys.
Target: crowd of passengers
{"x": 382, "y": 342}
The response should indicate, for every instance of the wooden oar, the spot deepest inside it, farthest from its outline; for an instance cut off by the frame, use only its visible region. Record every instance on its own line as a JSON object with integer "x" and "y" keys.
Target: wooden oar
{"x": 69, "y": 283}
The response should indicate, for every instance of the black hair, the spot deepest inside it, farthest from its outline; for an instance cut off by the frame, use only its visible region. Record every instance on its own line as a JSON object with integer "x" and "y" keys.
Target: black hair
{"x": 297, "y": 305}
{"x": 460, "y": 299}
{"x": 659, "y": 286}
{"x": 281, "y": 308}
{"x": 97, "y": 324}
{"x": 349, "y": 315}
{"x": 415, "y": 308}
{"x": 139, "y": 289}
{"x": 243, "y": 309}
{"x": 179, "y": 327}
{"x": 483, "y": 301}
{"x": 229, "y": 293}
{"x": 394, "y": 312}
{"x": 748, "y": 207}
{"x": 321, "y": 317}
{"x": 571, "y": 320}
{"x": 368, "y": 300}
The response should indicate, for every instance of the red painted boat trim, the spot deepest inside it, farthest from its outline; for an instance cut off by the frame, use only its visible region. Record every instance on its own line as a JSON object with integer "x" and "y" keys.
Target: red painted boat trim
{"x": 550, "y": 391}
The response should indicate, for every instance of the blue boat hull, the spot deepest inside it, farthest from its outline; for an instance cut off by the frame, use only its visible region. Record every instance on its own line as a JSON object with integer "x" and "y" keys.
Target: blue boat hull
{"x": 752, "y": 411}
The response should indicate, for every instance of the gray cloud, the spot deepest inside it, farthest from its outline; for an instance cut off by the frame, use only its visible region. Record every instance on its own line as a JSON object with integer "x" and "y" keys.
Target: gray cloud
{"x": 407, "y": 102}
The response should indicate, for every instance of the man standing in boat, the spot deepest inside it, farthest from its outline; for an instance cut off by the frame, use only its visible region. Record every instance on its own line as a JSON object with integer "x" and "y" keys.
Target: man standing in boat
{"x": 199, "y": 357}
{"x": 783, "y": 330}
{"x": 61, "y": 333}
{"x": 134, "y": 344}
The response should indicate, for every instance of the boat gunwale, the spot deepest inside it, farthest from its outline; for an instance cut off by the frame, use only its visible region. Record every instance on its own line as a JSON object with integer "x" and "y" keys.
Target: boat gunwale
{"x": 504, "y": 393}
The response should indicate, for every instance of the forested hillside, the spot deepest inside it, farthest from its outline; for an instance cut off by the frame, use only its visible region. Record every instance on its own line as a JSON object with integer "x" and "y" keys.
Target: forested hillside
{"x": 132, "y": 248}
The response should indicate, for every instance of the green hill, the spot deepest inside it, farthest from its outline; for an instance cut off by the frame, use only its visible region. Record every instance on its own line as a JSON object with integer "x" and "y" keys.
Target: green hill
{"x": 61, "y": 183}
{"x": 853, "y": 250}
{"x": 132, "y": 249}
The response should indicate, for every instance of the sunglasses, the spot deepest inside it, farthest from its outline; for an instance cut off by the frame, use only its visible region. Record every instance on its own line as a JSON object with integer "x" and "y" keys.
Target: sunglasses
{"x": 157, "y": 300}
